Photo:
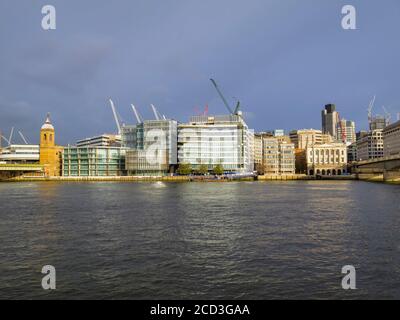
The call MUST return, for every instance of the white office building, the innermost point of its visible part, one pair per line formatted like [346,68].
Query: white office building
[217,140]
[20,153]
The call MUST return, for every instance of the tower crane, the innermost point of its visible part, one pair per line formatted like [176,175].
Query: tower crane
[234,112]
[137,115]
[22,137]
[156,113]
[370,106]
[5,139]
[115,116]
[11,136]
[388,115]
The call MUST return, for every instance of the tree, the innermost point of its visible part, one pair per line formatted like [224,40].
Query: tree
[218,169]
[185,169]
[203,169]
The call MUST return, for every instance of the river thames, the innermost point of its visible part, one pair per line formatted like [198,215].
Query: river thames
[236,240]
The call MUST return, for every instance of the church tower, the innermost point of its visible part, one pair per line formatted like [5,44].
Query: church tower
[50,153]
[47,134]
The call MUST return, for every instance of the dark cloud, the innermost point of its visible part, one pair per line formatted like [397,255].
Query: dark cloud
[283,59]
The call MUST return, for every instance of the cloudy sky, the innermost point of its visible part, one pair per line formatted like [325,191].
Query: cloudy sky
[284,59]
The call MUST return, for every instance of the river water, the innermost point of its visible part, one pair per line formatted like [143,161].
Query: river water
[237,240]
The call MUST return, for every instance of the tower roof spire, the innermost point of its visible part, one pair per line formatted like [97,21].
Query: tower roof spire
[47,124]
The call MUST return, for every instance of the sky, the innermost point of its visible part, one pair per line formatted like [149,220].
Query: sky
[283,59]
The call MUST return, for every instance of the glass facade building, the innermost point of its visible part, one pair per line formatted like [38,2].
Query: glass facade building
[217,140]
[151,147]
[93,161]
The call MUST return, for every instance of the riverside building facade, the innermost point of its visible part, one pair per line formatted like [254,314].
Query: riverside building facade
[391,139]
[327,159]
[278,156]
[370,145]
[20,154]
[50,154]
[93,161]
[217,140]
[151,147]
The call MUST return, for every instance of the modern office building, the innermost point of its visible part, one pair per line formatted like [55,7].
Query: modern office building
[279,132]
[346,129]
[104,140]
[370,145]
[152,147]
[217,140]
[93,161]
[330,120]
[278,156]
[378,123]
[391,139]
[352,152]
[327,159]
[20,154]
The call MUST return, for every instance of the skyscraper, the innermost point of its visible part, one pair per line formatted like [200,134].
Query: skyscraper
[346,129]
[330,120]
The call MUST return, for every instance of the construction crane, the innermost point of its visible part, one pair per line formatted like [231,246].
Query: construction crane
[5,139]
[115,116]
[236,111]
[11,136]
[388,115]
[371,105]
[137,115]
[157,114]
[22,137]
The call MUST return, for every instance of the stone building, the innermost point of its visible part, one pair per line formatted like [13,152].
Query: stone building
[327,159]
[258,153]
[391,139]
[278,156]
[50,154]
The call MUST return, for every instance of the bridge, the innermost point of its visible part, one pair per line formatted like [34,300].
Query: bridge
[8,171]
[380,169]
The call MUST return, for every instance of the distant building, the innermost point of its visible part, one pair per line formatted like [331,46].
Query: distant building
[152,147]
[93,161]
[104,140]
[258,153]
[327,159]
[347,129]
[352,152]
[305,137]
[217,140]
[308,137]
[378,123]
[391,139]
[300,161]
[20,153]
[50,153]
[279,133]
[370,145]
[330,119]
[279,156]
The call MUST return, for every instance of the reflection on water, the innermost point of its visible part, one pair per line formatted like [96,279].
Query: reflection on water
[200,240]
